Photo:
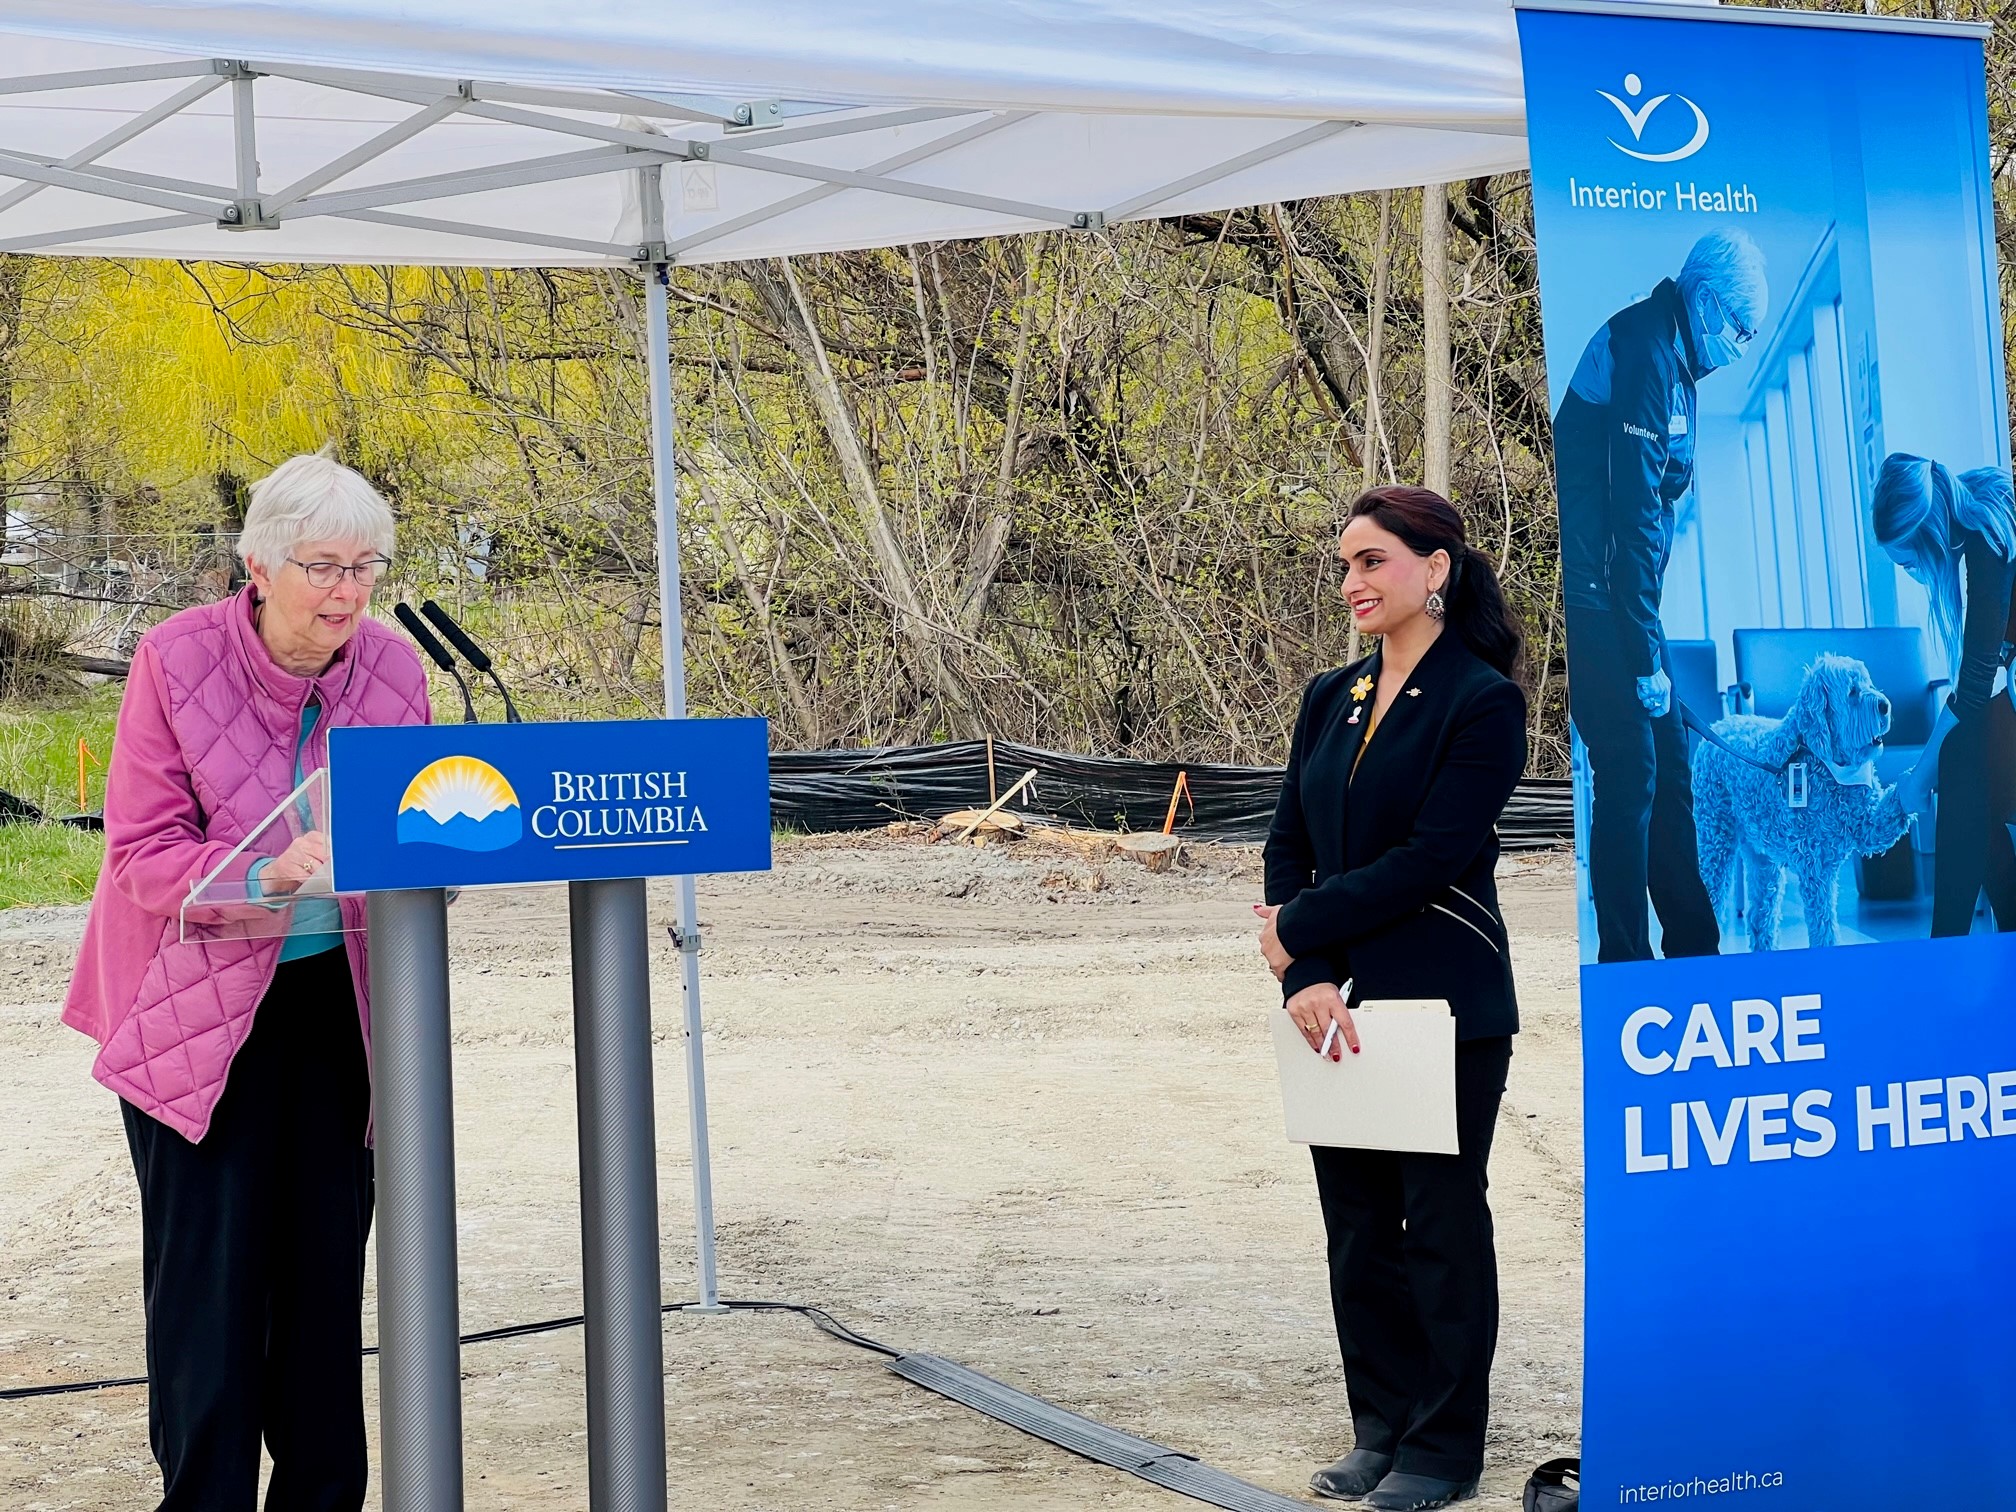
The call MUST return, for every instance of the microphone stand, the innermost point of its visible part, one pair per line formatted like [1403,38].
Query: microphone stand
[437,654]
[472,653]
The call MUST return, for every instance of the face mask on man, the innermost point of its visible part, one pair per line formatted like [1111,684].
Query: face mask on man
[1718,339]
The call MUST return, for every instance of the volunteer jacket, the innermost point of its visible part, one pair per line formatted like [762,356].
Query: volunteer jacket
[1623,458]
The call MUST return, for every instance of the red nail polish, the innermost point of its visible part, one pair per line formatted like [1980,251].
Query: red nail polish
[1354,1049]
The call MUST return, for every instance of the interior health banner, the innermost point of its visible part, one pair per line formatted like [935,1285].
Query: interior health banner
[1788,549]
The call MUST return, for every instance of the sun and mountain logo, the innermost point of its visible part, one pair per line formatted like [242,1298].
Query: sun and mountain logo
[462,803]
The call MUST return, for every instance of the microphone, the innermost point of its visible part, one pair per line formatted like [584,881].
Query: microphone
[472,653]
[437,654]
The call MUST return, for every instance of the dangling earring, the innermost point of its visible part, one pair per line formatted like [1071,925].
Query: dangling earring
[1435,606]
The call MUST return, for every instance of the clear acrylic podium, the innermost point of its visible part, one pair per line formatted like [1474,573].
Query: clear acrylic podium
[236,901]
[412,1099]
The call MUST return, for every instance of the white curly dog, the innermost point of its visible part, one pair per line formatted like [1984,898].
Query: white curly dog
[1824,751]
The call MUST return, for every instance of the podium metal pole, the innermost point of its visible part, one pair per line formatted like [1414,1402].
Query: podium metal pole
[419,1328]
[619,1196]
[672,642]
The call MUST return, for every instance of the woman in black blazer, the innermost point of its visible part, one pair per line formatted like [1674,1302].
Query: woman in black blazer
[1379,885]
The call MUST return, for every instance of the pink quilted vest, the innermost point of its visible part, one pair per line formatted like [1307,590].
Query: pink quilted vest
[204,751]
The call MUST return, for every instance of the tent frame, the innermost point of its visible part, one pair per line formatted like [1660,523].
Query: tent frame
[751,132]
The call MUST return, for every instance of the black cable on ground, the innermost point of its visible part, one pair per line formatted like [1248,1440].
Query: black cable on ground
[64,1388]
[1171,1469]
[824,1321]
[821,1319]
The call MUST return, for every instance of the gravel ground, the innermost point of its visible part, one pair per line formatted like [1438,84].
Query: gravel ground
[1011,1107]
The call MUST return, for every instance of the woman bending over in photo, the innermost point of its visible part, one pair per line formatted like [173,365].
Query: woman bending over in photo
[1945,530]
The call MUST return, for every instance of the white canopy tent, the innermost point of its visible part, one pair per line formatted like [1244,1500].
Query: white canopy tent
[630,132]
[508,133]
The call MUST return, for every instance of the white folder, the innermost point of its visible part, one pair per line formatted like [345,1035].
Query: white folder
[1397,1093]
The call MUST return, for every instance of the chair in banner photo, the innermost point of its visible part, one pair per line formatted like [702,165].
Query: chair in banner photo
[1695,681]
[1770,666]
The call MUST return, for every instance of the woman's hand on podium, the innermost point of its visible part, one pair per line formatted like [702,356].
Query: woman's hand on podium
[287,871]
[1314,1009]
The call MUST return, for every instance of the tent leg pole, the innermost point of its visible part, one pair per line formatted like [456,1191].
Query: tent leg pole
[672,640]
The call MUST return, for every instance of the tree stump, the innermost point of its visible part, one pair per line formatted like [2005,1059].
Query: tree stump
[1156,852]
[1000,825]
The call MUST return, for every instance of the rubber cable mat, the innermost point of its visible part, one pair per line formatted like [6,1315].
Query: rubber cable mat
[1166,1467]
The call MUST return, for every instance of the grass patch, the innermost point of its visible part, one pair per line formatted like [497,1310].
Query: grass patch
[53,863]
[48,863]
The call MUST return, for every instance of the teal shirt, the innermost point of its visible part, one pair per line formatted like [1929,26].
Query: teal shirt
[318,922]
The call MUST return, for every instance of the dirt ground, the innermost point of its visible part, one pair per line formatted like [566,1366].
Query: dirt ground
[1016,1109]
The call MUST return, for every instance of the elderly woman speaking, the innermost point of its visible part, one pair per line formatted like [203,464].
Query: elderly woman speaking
[242,1055]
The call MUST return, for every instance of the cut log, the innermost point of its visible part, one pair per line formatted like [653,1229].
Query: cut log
[1156,852]
[104,666]
[1090,844]
[996,806]
[976,821]
[979,825]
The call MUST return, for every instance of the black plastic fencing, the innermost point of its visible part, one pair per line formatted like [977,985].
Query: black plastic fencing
[865,789]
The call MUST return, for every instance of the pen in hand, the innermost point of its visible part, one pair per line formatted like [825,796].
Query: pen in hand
[1329,1039]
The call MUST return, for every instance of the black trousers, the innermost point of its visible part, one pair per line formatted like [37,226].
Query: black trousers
[1414,1282]
[1641,820]
[252,1257]
[1973,844]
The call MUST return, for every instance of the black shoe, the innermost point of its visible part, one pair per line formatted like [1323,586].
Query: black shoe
[1352,1476]
[1415,1493]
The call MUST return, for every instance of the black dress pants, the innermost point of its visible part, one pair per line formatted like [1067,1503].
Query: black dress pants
[252,1258]
[1973,847]
[1414,1282]
[1641,820]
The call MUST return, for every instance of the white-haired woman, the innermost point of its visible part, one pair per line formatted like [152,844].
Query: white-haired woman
[1942,529]
[240,1046]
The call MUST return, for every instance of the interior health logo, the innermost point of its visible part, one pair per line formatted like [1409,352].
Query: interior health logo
[1638,119]
[460,802]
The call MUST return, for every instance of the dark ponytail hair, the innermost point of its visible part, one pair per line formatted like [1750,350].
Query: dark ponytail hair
[1428,523]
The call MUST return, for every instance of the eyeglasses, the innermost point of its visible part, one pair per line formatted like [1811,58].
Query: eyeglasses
[1736,330]
[329,574]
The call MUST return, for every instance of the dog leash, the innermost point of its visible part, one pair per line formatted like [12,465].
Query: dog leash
[1798,792]
[1702,728]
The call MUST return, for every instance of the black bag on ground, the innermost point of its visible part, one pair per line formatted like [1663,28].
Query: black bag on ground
[1555,1487]
[17,810]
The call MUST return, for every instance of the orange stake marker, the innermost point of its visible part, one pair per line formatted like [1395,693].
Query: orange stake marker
[83,784]
[1180,795]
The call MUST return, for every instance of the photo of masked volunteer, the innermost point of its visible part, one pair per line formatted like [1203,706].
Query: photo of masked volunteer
[1956,536]
[1624,441]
